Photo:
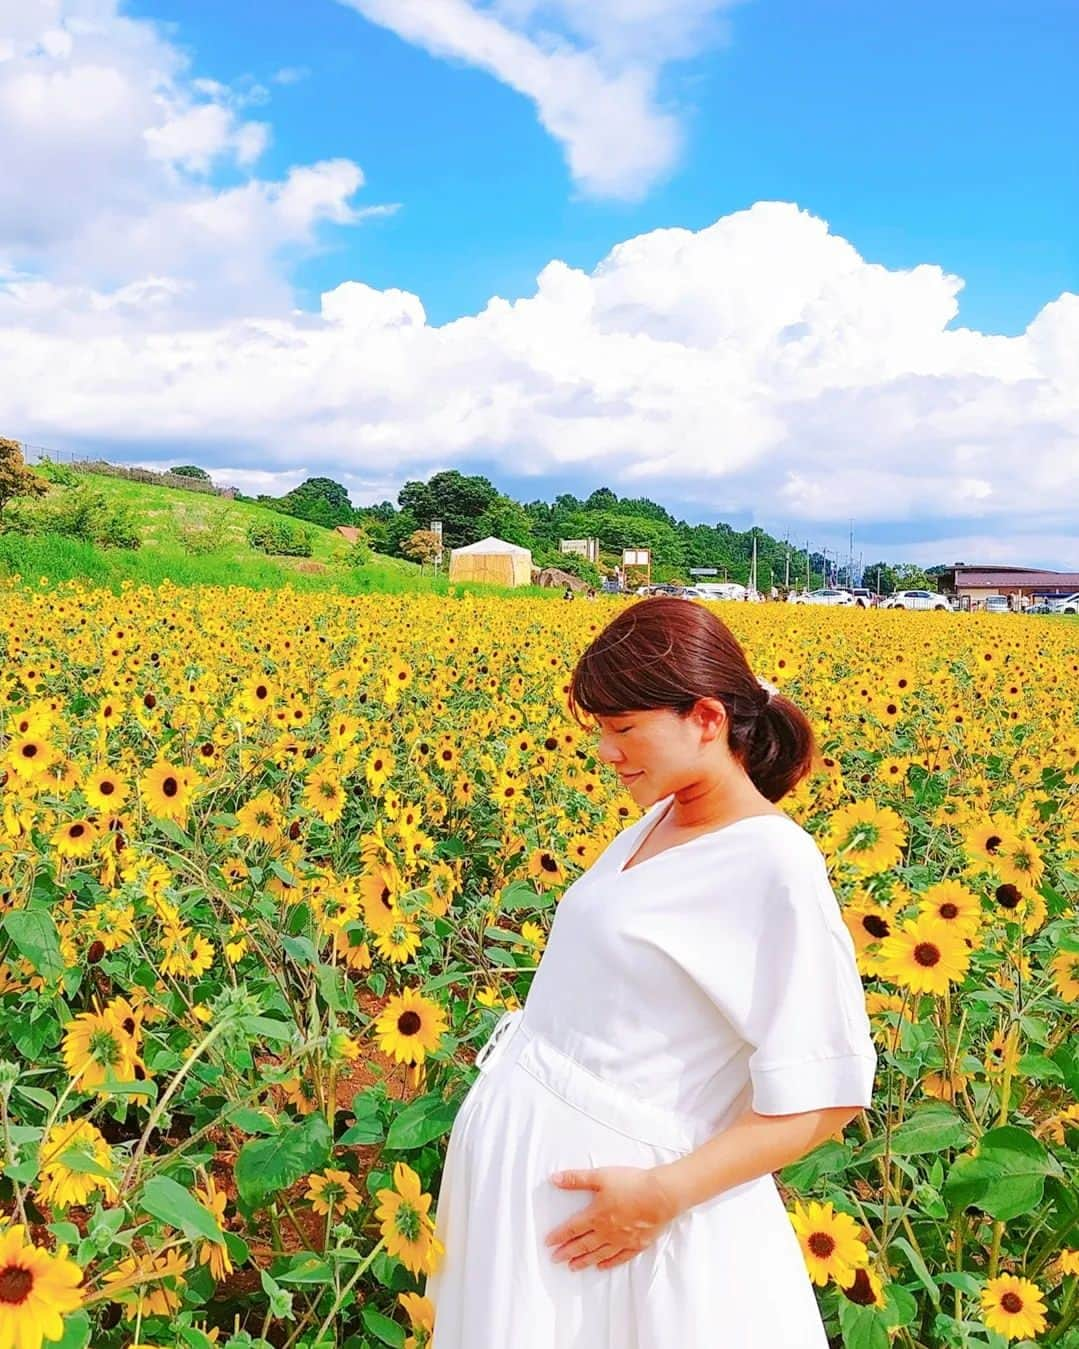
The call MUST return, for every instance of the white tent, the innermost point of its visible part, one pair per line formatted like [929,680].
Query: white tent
[492,560]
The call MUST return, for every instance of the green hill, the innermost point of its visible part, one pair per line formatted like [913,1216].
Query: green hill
[165,516]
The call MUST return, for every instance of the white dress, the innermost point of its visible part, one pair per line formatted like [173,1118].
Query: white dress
[715,975]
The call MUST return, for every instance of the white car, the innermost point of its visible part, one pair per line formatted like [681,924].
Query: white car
[1068,605]
[826,595]
[916,599]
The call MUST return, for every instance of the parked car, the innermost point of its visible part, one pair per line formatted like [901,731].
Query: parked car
[826,595]
[1068,605]
[997,604]
[916,599]
[1042,607]
[863,597]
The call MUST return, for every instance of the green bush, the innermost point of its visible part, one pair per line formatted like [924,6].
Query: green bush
[280,538]
[77,512]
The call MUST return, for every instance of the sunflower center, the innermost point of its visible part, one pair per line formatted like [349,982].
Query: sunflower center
[992,843]
[861,1290]
[16,1285]
[1012,1302]
[863,836]
[949,911]
[822,1245]
[926,954]
[170,786]
[548,863]
[1007,896]
[77,831]
[106,788]
[876,926]
[408,1222]
[408,1023]
[29,751]
[103,1047]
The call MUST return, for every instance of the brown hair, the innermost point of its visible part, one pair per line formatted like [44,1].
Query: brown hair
[668,653]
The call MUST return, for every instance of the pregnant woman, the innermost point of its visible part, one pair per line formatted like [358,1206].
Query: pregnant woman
[697,1022]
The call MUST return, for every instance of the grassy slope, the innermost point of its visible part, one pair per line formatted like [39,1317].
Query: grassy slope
[161,512]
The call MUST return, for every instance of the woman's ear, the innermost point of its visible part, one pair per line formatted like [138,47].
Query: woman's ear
[712,718]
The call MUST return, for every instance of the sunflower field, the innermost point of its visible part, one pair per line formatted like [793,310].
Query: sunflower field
[272,865]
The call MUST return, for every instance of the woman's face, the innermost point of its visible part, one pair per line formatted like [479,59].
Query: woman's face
[658,752]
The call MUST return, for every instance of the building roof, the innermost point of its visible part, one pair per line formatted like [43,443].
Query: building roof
[1044,580]
[492,545]
[964,567]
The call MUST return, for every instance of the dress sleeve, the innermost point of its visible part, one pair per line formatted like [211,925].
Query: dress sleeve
[789,984]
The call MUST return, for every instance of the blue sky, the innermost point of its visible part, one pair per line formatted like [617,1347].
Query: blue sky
[920,132]
[783,262]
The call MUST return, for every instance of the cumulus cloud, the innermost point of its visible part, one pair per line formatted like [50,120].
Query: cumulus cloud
[113,153]
[591,67]
[760,365]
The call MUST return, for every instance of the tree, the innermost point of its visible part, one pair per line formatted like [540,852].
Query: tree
[322,501]
[191,471]
[422,545]
[16,480]
[458,501]
[505,519]
[880,577]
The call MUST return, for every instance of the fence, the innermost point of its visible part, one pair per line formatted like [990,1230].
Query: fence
[34,454]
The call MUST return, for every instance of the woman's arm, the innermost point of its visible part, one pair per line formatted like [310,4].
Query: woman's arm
[754,1145]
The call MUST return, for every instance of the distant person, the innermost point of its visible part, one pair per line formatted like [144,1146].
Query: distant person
[591,592]
[567,594]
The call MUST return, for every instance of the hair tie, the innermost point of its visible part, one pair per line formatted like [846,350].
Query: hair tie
[770,689]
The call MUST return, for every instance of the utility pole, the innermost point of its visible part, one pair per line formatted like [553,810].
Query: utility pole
[809,585]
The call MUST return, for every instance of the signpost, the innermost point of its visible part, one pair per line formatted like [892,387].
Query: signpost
[637,558]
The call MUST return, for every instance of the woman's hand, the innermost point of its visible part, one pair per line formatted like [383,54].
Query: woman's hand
[630,1210]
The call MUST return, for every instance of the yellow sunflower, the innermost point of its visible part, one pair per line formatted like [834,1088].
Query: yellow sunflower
[925,955]
[1064,969]
[37,1289]
[831,1245]
[421,1314]
[105,790]
[260,819]
[330,1190]
[1013,1307]
[97,1048]
[75,838]
[865,838]
[400,942]
[955,906]
[168,790]
[62,1182]
[148,1285]
[545,869]
[407,1227]
[214,1253]
[410,1026]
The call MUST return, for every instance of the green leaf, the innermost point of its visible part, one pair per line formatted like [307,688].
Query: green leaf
[520,895]
[169,1202]
[421,1122]
[300,949]
[76,1332]
[307,1267]
[80,1161]
[918,1265]
[863,1327]
[172,831]
[34,935]
[265,1166]
[268,1027]
[824,1160]
[252,1121]
[389,1332]
[1005,1177]
[930,1129]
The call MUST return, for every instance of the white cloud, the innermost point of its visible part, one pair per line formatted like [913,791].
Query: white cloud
[759,365]
[591,67]
[111,155]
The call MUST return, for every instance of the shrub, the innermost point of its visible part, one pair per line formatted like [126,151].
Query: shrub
[77,512]
[280,538]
